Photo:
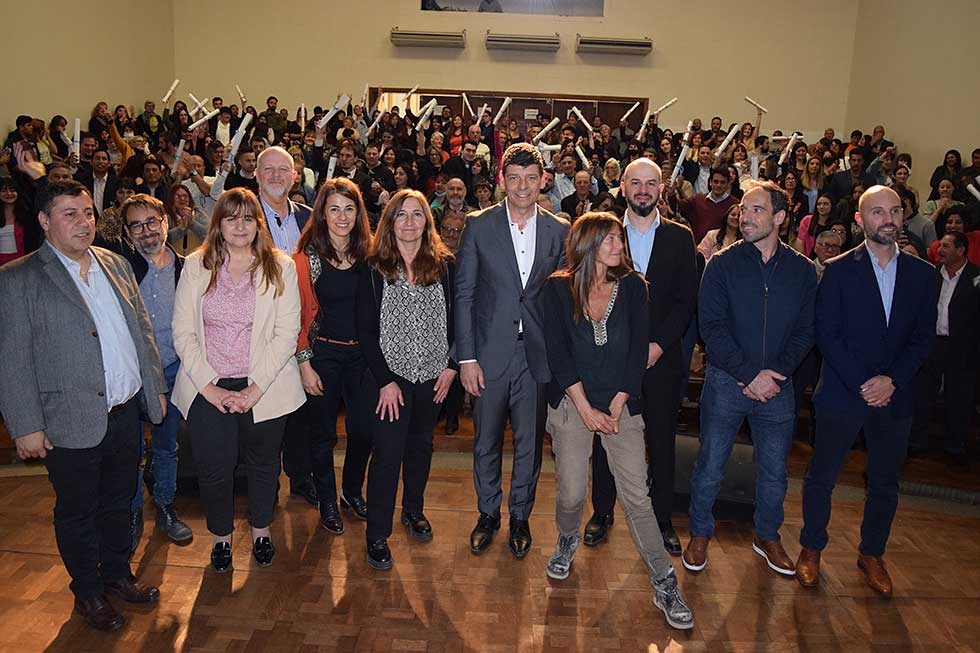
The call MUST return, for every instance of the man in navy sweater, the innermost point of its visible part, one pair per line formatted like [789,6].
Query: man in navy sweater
[876,321]
[755,309]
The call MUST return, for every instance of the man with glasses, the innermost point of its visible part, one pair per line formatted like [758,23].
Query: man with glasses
[156,266]
[827,246]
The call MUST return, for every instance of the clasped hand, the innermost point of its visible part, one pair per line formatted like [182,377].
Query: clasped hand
[763,387]
[232,401]
[877,391]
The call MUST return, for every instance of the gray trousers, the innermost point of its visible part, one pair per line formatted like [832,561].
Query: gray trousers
[517,393]
[571,442]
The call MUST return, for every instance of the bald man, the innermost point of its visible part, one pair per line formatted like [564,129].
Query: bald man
[579,202]
[876,319]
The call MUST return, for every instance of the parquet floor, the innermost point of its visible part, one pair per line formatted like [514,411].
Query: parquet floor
[320,595]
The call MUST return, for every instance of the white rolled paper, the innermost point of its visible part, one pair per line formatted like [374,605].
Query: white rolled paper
[500,112]
[331,166]
[549,148]
[76,140]
[756,104]
[302,117]
[627,114]
[199,104]
[180,153]
[547,128]
[687,132]
[236,140]
[664,106]
[334,110]
[405,98]
[204,119]
[581,156]
[428,109]
[483,110]
[582,118]
[680,163]
[240,94]
[973,191]
[755,167]
[725,143]
[376,121]
[170,91]
[789,147]
[364,97]
[466,103]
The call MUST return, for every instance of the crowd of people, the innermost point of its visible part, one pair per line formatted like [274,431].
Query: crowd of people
[394,267]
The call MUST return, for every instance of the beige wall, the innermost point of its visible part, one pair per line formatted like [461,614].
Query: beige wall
[63,56]
[914,71]
[339,50]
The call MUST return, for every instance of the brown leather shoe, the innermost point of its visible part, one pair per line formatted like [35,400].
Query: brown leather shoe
[875,574]
[808,567]
[99,613]
[695,556]
[775,556]
[132,592]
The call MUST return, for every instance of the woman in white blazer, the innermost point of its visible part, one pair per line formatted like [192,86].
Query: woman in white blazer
[236,319]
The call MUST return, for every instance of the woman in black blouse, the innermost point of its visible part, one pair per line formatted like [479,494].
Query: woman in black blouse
[597,351]
[330,258]
[405,323]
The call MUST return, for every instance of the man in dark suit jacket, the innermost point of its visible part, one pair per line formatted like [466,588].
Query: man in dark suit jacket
[875,324]
[663,251]
[101,170]
[840,184]
[79,364]
[953,358]
[506,255]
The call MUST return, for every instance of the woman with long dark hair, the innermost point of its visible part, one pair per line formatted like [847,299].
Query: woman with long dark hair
[597,352]
[812,225]
[717,239]
[331,256]
[949,169]
[236,320]
[405,326]
[20,232]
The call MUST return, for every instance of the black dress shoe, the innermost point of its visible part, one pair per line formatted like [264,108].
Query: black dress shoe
[99,613]
[305,489]
[355,503]
[520,537]
[418,526]
[175,528]
[672,543]
[379,555]
[595,530]
[221,557]
[452,425]
[263,551]
[330,518]
[135,530]
[130,591]
[482,534]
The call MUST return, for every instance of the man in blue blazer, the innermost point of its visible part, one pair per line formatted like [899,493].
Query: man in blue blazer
[875,324]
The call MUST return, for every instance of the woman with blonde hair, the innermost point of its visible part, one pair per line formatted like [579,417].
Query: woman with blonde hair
[405,325]
[236,320]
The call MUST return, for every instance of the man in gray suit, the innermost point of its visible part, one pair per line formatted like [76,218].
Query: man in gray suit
[79,364]
[506,254]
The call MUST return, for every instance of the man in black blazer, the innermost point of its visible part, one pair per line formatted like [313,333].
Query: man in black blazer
[953,358]
[663,251]
[506,254]
[100,173]
[840,184]
[875,325]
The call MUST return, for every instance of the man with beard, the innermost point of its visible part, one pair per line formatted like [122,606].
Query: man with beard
[876,321]
[662,251]
[156,266]
[755,309]
[455,203]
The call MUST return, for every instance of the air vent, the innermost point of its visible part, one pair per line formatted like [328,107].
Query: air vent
[592,44]
[523,42]
[428,39]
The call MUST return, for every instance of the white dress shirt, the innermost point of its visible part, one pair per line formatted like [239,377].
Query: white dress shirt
[98,190]
[222,133]
[946,294]
[524,243]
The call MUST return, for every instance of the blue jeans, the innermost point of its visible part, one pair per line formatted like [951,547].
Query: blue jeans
[723,408]
[164,446]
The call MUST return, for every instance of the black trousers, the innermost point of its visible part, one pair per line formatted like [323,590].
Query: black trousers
[217,439]
[661,399]
[342,370]
[403,445]
[93,488]
[959,379]
[297,453]
[454,400]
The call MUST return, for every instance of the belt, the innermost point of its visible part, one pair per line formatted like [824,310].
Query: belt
[118,408]
[346,343]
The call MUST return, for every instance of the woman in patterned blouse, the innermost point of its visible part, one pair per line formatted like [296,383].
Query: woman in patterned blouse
[405,326]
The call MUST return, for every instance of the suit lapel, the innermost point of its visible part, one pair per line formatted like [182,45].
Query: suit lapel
[56,271]
[542,242]
[871,282]
[263,309]
[502,226]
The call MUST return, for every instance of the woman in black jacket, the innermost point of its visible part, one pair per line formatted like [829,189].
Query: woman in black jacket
[405,325]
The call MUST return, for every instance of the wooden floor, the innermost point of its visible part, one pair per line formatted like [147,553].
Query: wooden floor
[320,595]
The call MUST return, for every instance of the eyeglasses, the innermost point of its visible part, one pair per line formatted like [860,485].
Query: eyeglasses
[839,231]
[136,228]
[452,230]
[828,245]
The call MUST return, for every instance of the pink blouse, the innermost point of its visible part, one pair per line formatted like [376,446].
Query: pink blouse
[228,311]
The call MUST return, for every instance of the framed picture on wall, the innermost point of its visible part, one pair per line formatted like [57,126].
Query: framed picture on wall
[585,8]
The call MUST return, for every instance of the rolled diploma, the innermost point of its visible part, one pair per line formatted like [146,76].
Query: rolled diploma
[687,132]
[466,103]
[582,118]
[483,110]
[549,148]
[302,117]
[170,91]
[203,120]
[240,94]
[664,106]
[236,140]
[500,112]
[76,141]
[331,166]
[789,147]
[755,167]
[547,128]
[364,97]
[680,163]
[627,114]
[404,102]
[200,105]
[581,155]
[756,104]
[725,143]
[180,153]
[376,121]
[428,109]
[341,103]
[973,191]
